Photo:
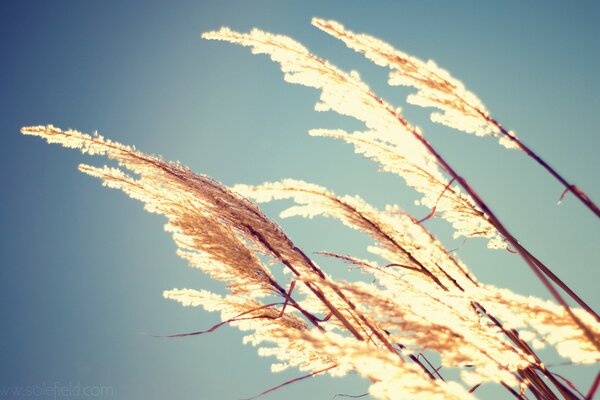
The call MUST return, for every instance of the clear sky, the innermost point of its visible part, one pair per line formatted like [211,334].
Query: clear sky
[84,267]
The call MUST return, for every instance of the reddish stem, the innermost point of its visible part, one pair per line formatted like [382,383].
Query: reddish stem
[432,213]
[474,388]
[568,186]
[220,324]
[594,387]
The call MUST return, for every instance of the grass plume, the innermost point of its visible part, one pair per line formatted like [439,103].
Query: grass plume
[416,296]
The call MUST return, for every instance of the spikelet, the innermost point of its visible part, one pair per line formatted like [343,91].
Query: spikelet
[406,243]
[392,377]
[460,108]
[543,322]
[184,198]
[176,191]
[265,323]
[423,317]
[536,321]
[189,200]
[404,240]
[390,139]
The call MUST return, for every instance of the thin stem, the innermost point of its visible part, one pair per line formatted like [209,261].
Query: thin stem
[353,396]
[316,291]
[290,382]
[562,285]
[512,391]
[569,383]
[474,388]
[238,317]
[435,370]
[433,209]
[594,387]
[568,186]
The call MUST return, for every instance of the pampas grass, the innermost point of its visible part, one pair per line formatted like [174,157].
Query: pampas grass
[416,296]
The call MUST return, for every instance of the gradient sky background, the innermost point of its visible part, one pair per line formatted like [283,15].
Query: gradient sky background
[83,267]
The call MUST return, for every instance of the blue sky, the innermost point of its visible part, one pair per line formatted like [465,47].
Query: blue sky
[84,267]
